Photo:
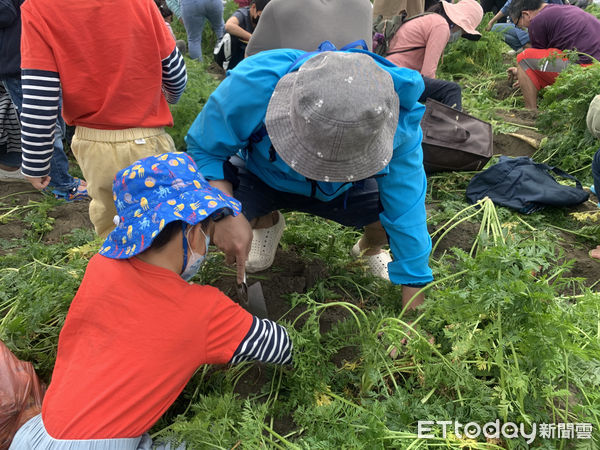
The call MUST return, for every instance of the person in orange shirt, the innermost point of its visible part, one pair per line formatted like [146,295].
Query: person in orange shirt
[137,329]
[116,79]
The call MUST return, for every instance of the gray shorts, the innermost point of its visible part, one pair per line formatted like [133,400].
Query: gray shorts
[33,436]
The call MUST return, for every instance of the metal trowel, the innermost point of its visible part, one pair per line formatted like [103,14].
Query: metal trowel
[252,299]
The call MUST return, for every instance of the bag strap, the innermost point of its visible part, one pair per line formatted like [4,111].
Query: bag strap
[404,51]
[408,19]
[564,174]
[558,172]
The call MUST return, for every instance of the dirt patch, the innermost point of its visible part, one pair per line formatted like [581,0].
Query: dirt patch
[67,216]
[510,145]
[525,140]
[216,71]
[463,237]
[504,89]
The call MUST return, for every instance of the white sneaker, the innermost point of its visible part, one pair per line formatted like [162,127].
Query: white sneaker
[264,246]
[377,264]
[8,175]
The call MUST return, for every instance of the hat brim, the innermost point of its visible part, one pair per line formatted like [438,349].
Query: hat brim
[294,151]
[456,17]
[125,241]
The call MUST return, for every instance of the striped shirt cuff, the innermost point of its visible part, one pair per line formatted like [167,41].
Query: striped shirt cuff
[41,100]
[174,76]
[267,342]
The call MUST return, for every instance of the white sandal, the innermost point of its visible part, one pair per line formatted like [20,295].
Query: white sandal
[264,246]
[377,264]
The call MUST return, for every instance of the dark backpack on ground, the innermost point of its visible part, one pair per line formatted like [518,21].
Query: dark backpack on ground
[384,29]
[522,184]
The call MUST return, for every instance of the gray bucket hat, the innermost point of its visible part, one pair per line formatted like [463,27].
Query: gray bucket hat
[335,118]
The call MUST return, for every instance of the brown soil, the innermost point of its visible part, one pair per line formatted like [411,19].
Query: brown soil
[67,216]
[463,237]
[525,141]
[504,89]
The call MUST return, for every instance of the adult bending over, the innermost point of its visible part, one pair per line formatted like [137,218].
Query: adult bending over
[552,29]
[336,135]
[420,42]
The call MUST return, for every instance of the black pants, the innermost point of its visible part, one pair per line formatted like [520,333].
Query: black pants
[446,92]
[238,49]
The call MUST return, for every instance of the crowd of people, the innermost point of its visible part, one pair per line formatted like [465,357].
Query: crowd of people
[308,119]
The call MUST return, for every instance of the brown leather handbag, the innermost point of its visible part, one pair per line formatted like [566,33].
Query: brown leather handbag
[454,140]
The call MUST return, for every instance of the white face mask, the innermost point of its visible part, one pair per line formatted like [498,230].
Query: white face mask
[194,261]
[455,36]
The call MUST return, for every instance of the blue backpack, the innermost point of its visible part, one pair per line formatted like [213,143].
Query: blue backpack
[522,184]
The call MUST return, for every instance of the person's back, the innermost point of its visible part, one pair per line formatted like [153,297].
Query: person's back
[115,375]
[138,328]
[108,57]
[566,27]
[117,65]
[419,44]
[303,25]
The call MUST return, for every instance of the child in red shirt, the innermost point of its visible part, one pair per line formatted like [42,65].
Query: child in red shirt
[137,330]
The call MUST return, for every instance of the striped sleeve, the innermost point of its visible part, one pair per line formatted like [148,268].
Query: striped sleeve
[41,94]
[174,76]
[266,341]
[10,130]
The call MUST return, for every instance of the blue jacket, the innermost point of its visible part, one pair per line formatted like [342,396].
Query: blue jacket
[236,111]
[10,38]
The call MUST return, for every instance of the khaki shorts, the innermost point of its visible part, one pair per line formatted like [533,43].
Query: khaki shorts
[102,153]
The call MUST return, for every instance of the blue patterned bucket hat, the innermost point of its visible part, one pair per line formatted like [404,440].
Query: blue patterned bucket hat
[155,191]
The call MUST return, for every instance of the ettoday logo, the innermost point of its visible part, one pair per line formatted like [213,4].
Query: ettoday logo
[508,430]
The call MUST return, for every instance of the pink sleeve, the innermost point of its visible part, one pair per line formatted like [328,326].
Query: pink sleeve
[434,48]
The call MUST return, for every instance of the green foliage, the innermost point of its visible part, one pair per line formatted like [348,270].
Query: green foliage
[482,57]
[564,104]
[480,68]
[38,283]
[311,236]
[200,85]
[594,9]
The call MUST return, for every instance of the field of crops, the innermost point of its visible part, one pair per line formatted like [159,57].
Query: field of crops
[509,333]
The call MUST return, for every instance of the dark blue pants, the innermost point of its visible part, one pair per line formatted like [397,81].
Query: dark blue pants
[446,92]
[357,207]
[596,171]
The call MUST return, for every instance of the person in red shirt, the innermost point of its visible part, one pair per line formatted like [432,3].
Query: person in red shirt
[137,330]
[553,30]
[117,67]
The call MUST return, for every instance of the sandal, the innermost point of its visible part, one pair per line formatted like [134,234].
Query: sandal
[377,264]
[79,192]
[264,246]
